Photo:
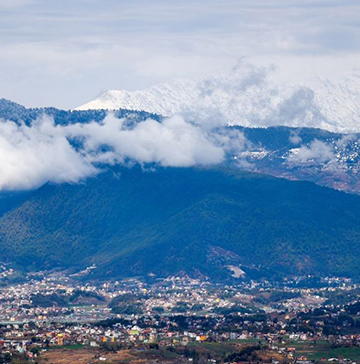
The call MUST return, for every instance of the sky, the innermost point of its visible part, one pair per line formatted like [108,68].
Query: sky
[64,53]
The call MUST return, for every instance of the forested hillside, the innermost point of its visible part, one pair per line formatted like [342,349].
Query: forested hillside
[165,221]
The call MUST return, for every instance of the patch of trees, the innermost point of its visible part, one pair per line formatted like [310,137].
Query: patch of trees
[248,354]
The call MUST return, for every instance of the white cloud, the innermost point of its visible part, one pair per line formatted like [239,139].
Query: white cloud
[316,152]
[173,142]
[33,155]
[295,138]
[345,140]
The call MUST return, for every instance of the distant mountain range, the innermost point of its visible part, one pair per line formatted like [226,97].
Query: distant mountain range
[250,100]
[200,221]
[13,111]
[278,151]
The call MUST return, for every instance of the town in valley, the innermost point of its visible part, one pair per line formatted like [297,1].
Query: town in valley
[55,316]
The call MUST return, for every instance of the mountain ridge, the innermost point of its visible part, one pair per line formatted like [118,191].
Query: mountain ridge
[326,158]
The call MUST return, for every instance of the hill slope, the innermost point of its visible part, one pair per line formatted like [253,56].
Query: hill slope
[130,222]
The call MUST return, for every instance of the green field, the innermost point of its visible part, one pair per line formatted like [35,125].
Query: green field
[323,349]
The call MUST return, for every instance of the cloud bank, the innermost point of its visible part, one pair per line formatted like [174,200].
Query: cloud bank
[31,156]
[173,142]
[44,152]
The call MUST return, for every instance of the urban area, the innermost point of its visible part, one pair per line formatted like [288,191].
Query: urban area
[56,317]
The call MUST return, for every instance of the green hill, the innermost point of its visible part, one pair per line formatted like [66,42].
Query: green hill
[198,221]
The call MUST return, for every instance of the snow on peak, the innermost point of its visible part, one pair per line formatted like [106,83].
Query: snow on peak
[250,99]
[164,99]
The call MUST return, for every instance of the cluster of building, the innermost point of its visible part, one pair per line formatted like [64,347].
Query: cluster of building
[60,310]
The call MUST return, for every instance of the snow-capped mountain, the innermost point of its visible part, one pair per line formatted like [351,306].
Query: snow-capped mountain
[249,99]
[163,99]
